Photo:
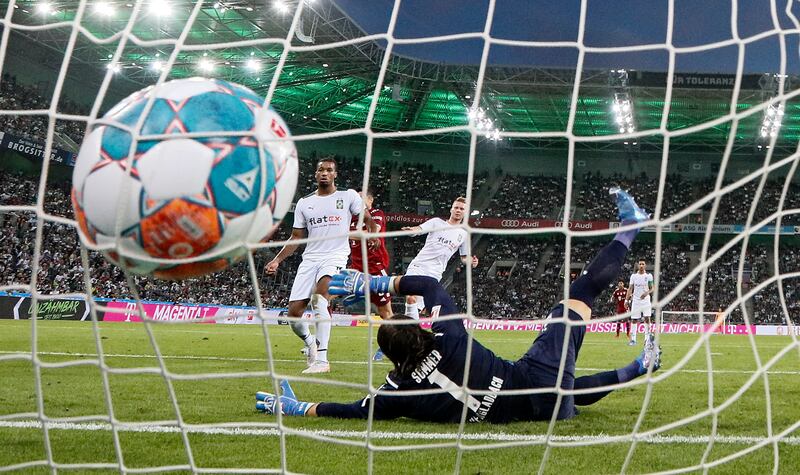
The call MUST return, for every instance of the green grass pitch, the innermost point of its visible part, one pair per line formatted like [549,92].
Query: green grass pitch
[142,398]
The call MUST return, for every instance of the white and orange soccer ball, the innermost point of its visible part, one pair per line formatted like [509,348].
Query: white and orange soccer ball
[199,198]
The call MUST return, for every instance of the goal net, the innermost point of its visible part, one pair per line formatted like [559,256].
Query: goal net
[531,112]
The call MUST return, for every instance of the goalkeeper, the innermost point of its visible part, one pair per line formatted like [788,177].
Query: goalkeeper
[434,362]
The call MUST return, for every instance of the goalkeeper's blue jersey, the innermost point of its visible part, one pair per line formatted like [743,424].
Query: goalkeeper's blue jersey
[441,376]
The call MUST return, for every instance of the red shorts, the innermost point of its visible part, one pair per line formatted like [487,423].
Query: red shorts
[380,299]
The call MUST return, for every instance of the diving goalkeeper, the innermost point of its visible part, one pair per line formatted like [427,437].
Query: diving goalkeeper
[435,361]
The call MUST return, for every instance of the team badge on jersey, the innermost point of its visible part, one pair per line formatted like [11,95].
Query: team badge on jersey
[339,204]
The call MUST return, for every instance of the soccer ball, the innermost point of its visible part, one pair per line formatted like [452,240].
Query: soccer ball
[202,199]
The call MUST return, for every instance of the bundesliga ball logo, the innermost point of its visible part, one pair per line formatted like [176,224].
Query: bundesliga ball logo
[202,199]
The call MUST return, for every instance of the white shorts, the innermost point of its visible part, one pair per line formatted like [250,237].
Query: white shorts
[310,272]
[414,269]
[639,310]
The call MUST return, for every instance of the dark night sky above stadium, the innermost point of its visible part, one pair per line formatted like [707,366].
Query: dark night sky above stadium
[609,23]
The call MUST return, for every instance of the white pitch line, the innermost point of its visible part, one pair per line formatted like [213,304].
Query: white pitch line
[350,434]
[361,363]
[495,339]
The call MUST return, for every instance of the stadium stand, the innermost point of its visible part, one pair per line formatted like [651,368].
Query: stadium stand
[536,266]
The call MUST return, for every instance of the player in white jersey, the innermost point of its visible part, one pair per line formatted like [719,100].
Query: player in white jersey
[639,289]
[440,245]
[324,214]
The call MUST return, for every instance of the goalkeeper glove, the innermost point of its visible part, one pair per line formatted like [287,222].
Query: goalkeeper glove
[288,404]
[354,284]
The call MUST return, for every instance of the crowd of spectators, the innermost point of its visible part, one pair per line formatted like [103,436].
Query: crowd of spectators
[522,278]
[19,97]
[529,197]
[421,182]
[592,194]
[735,205]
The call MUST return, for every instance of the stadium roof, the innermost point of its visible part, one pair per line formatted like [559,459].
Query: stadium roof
[332,71]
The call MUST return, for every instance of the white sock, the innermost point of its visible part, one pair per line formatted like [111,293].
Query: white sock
[634,328]
[319,305]
[301,330]
[412,311]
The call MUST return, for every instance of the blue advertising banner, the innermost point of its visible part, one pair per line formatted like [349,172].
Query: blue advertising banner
[33,149]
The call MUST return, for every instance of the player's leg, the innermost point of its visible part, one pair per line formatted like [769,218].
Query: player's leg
[544,358]
[649,357]
[414,303]
[300,328]
[383,302]
[412,310]
[618,323]
[640,325]
[320,307]
[299,297]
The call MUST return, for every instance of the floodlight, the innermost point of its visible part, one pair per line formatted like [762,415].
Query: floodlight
[253,65]
[280,5]
[44,8]
[160,8]
[104,9]
[205,65]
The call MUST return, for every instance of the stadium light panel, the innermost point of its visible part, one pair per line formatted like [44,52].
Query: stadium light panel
[160,8]
[104,9]
[280,6]
[157,66]
[253,65]
[114,67]
[771,123]
[205,65]
[44,8]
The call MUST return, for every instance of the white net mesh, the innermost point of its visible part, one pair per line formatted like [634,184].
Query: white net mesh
[695,429]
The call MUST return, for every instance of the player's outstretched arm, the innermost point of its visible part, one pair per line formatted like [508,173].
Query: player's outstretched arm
[287,404]
[353,284]
[287,250]
[373,227]
[467,260]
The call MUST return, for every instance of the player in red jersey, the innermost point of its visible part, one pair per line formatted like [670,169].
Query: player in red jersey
[377,259]
[619,298]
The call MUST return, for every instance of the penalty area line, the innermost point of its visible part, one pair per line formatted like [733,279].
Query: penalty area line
[385,435]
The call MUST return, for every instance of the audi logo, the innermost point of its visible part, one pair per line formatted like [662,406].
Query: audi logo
[509,223]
